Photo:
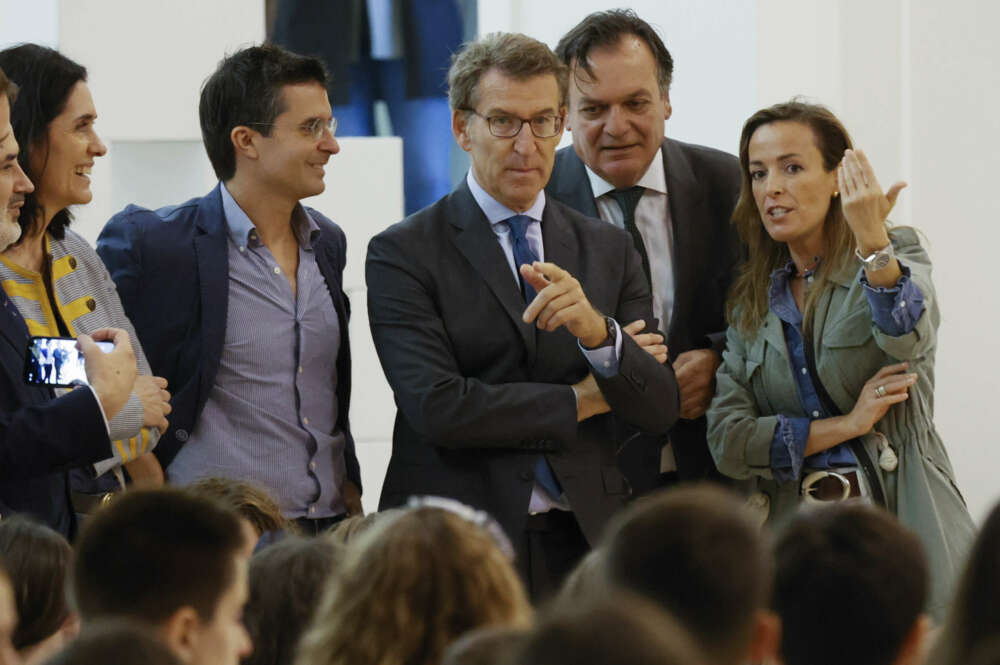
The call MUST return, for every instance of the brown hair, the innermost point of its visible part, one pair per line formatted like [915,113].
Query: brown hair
[8,88]
[249,501]
[151,552]
[974,619]
[515,55]
[618,628]
[38,562]
[697,553]
[748,298]
[408,588]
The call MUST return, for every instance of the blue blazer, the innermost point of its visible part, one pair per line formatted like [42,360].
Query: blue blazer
[171,267]
[41,437]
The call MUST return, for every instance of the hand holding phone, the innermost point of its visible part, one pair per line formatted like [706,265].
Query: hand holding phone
[112,375]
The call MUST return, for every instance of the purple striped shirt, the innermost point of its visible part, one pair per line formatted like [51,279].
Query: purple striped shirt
[271,415]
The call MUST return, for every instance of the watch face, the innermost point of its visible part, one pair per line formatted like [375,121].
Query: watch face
[881,261]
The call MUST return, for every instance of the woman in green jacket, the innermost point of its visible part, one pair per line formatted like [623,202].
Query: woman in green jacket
[826,389]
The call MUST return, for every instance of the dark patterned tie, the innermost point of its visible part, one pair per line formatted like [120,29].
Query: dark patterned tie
[627,200]
[523,254]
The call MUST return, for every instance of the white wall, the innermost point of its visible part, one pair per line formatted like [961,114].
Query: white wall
[916,83]
[712,44]
[914,80]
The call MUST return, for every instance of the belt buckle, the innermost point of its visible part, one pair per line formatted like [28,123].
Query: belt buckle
[815,477]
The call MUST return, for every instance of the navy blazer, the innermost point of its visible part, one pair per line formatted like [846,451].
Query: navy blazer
[171,267]
[41,437]
[702,187]
[480,393]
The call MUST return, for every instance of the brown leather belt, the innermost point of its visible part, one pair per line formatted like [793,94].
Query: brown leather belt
[830,487]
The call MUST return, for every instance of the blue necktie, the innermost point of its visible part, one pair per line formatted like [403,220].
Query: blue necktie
[523,254]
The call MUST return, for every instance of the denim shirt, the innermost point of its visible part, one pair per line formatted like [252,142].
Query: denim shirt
[895,310]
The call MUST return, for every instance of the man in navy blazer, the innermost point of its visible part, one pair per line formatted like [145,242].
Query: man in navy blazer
[499,317]
[40,435]
[679,198]
[237,296]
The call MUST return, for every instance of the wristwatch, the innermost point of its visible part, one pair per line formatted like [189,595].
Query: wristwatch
[877,260]
[612,337]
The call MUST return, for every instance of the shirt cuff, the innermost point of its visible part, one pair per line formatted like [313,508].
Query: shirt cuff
[606,359]
[100,407]
[788,448]
[895,309]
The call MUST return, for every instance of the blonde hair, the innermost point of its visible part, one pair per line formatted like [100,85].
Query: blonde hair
[409,587]
[748,304]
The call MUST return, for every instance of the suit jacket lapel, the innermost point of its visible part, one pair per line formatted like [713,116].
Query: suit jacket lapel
[212,253]
[570,183]
[477,242]
[685,196]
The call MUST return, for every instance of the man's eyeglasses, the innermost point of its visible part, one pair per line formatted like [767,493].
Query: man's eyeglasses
[314,128]
[505,126]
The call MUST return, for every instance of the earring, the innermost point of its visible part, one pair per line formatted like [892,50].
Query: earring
[836,193]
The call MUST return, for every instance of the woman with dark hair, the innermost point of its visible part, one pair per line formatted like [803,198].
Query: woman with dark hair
[972,631]
[38,561]
[826,389]
[55,278]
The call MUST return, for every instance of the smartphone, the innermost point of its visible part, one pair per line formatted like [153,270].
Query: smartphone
[55,361]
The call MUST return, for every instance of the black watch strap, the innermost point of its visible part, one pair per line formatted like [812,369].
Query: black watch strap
[612,337]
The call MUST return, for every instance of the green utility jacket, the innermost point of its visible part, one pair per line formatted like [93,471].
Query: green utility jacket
[755,383]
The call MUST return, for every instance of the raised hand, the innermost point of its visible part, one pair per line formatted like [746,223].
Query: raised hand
[560,301]
[111,374]
[865,206]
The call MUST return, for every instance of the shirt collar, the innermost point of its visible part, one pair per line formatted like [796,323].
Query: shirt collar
[243,232]
[655,178]
[497,212]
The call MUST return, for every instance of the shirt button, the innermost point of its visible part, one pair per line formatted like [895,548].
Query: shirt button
[305,421]
[300,369]
[243,249]
[815,414]
[72,262]
[91,305]
[312,466]
[312,509]
[805,371]
[277,270]
[607,363]
[902,303]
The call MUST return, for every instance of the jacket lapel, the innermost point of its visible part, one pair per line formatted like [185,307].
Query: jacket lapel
[570,184]
[685,196]
[212,254]
[477,242]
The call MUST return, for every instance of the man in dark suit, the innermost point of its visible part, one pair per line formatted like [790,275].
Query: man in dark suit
[41,435]
[237,296]
[674,198]
[495,314]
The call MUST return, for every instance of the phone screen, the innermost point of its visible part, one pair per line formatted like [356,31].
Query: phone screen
[55,361]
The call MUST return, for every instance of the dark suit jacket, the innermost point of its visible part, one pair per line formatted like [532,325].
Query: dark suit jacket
[480,394]
[41,436]
[171,267]
[702,187]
